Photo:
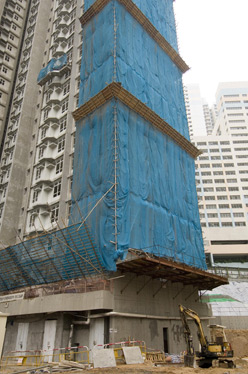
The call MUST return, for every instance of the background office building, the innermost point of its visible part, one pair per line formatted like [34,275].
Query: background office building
[222,176]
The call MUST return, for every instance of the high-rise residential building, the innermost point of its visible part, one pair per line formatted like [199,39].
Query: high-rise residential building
[195,110]
[222,176]
[13,22]
[201,118]
[209,116]
[37,158]
[82,239]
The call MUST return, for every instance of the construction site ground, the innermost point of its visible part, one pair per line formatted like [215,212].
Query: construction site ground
[146,368]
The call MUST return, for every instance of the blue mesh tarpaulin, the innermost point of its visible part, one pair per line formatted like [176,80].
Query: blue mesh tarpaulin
[53,64]
[156,205]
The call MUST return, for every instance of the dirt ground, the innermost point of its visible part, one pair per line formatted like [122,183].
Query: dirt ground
[148,368]
[239,341]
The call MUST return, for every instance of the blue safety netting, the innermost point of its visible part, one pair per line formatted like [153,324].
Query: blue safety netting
[142,67]
[157,208]
[53,65]
[156,195]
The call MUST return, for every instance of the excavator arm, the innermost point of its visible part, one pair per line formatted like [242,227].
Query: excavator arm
[184,313]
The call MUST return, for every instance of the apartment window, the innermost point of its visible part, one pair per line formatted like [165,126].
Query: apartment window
[213,150]
[233,188]
[205,166]
[35,196]
[13,26]
[244,179]
[231,180]
[204,158]
[202,143]
[11,37]
[235,197]
[218,173]
[226,224]
[57,188]
[219,180]
[200,207]
[209,197]
[224,143]
[232,172]
[41,152]
[241,149]
[225,215]
[244,188]
[66,88]
[18,8]
[64,106]
[222,197]
[70,41]
[213,224]
[5,70]
[7,58]
[212,215]
[238,214]
[203,224]
[211,206]
[219,189]
[46,111]
[206,181]
[9,47]
[59,165]
[32,219]
[215,157]
[16,17]
[62,124]
[235,206]
[243,171]
[206,173]
[54,213]
[240,224]
[224,206]
[61,144]
[227,157]
[2,81]
[67,74]
[243,164]
[43,132]
[38,173]
[228,165]
[208,189]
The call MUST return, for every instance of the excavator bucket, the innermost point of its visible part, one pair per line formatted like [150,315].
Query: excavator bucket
[189,361]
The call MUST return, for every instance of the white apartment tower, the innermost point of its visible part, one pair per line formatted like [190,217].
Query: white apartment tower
[37,156]
[13,22]
[194,110]
[222,175]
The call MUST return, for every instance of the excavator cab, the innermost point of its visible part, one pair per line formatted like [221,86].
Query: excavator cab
[219,340]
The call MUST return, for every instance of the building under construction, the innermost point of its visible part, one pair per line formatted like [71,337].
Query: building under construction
[132,249]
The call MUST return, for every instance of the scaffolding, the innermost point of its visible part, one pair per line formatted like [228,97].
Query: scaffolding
[62,255]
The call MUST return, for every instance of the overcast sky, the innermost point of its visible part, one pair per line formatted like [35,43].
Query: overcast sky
[213,40]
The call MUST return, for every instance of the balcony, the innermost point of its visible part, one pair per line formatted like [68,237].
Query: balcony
[54,76]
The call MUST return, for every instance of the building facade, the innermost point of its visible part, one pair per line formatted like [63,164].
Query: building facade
[37,158]
[53,284]
[221,176]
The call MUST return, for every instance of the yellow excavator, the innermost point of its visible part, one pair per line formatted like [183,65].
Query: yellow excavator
[212,353]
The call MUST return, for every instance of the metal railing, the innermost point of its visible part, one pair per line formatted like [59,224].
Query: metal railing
[35,358]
